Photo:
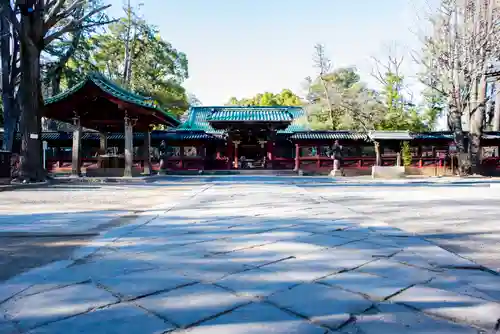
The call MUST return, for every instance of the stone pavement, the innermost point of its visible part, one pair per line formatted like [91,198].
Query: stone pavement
[254,258]
[463,220]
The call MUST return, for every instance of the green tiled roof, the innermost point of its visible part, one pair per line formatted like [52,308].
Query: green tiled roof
[115,90]
[199,117]
[251,115]
[328,135]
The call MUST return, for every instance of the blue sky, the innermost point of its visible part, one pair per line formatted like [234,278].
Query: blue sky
[243,47]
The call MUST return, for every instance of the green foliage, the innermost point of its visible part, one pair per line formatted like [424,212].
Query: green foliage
[400,114]
[339,100]
[285,98]
[157,69]
[406,154]
[73,47]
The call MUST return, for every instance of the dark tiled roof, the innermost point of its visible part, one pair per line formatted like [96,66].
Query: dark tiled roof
[390,135]
[328,135]
[250,115]
[201,135]
[199,117]
[115,90]
[187,135]
[433,135]
[159,135]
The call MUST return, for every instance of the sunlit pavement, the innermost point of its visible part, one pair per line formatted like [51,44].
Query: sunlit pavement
[273,255]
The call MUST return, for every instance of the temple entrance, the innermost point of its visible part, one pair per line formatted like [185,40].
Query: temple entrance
[251,152]
[250,133]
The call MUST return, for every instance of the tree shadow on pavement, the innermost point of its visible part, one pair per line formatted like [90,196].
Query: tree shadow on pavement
[223,265]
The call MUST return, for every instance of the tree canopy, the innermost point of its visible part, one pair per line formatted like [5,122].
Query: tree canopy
[338,99]
[285,98]
[129,51]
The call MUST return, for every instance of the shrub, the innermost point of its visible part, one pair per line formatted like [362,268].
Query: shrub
[406,153]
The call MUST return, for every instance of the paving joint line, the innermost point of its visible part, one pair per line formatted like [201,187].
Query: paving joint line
[166,320]
[297,315]
[415,235]
[440,317]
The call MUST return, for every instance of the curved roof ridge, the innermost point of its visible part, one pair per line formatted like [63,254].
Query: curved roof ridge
[114,89]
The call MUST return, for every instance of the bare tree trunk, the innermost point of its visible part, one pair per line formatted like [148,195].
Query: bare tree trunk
[127,60]
[458,137]
[476,132]
[9,51]
[10,122]
[31,165]
[496,115]
[55,81]
[329,102]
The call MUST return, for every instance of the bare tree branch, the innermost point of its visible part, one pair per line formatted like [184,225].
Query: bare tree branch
[72,25]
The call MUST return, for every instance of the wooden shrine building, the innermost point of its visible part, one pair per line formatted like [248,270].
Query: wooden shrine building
[101,105]
[118,141]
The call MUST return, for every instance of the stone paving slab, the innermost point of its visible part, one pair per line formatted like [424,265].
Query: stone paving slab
[328,306]
[117,319]
[257,283]
[458,285]
[368,247]
[324,240]
[190,305]
[372,286]
[8,328]
[144,283]
[103,267]
[451,305]
[257,319]
[209,269]
[393,318]
[308,267]
[36,310]
[256,258]
[389,268]
[486,282]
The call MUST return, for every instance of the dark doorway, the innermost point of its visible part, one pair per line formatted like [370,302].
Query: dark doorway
[251,154]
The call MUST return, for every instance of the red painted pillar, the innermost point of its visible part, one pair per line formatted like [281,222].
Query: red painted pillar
[318,161]
[229,154]
[236,143]
[181,153]
[297,157]
[270,149]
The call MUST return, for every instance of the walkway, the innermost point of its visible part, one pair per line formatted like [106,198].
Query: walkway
[254,257]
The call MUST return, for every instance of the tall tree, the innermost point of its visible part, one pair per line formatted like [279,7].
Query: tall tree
[133,54]
[400,112]
[323,65]
[340,100]
[465,37]
[9,53]
[60,52]
[39,24]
